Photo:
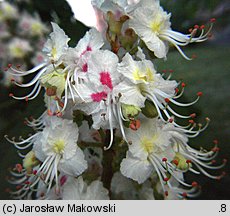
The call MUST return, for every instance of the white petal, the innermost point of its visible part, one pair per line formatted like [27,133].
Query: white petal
[136,169]
[96,191]
[75,166]
[74,189]
[83,12]
[130,94]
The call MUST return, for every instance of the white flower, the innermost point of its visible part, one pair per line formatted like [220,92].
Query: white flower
[57,44]
[149,145]
[76,58]
[18,48]
[56,151]
[32,26]
[152,24]
[141,82]
[97,91]
[163,149]
[77,189]
[8,11]
[49,73]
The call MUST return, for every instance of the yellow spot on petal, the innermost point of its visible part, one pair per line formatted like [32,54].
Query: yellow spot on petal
[54,53]
[59,146]
[148,144]
[155,26]
[146,75]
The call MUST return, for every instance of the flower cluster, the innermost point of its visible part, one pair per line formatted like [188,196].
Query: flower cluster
[111,116]
[22,37]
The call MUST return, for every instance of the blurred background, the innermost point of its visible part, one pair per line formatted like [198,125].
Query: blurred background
[25,24]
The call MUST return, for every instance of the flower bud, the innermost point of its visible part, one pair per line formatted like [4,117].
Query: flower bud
[130,110]
[115,24]
[30,161]
[128,39]
[182,161]
[149,110]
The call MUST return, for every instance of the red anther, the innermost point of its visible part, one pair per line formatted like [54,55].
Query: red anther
[199,94]
[176,90]
[167,100]
[193,115]
[135,124]
[225,160]
[215,142]
[213,161]
[213,20]
[26,99]
[51,91]
[196,26]
[18,66]
[216,149]
[11,95]
[202,27]
[166,179]
[59,114]
[219,177]
[164,159]
[9,65]
[183,84]
[164,71]
[27,182]
[194,56]
[61,104]
[188,161]
[191,121]
[18,187]
[194,184]
[166,193]
[130,142]
[210,35]
[7,190]
[171,71]
[35,172]
[223,174]
[171,120]
[49,112]
[176,162]
[184,194]
[18,167]
[12,80]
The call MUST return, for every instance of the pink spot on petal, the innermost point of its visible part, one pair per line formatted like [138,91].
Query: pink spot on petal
[63,180]
[85,67]
[97,97]
[105,79]
[88,49]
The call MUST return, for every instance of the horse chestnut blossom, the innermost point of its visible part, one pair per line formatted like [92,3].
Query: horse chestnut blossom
[55,150]
[111,129]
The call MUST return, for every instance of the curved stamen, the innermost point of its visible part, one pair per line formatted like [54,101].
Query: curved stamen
[24,73]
